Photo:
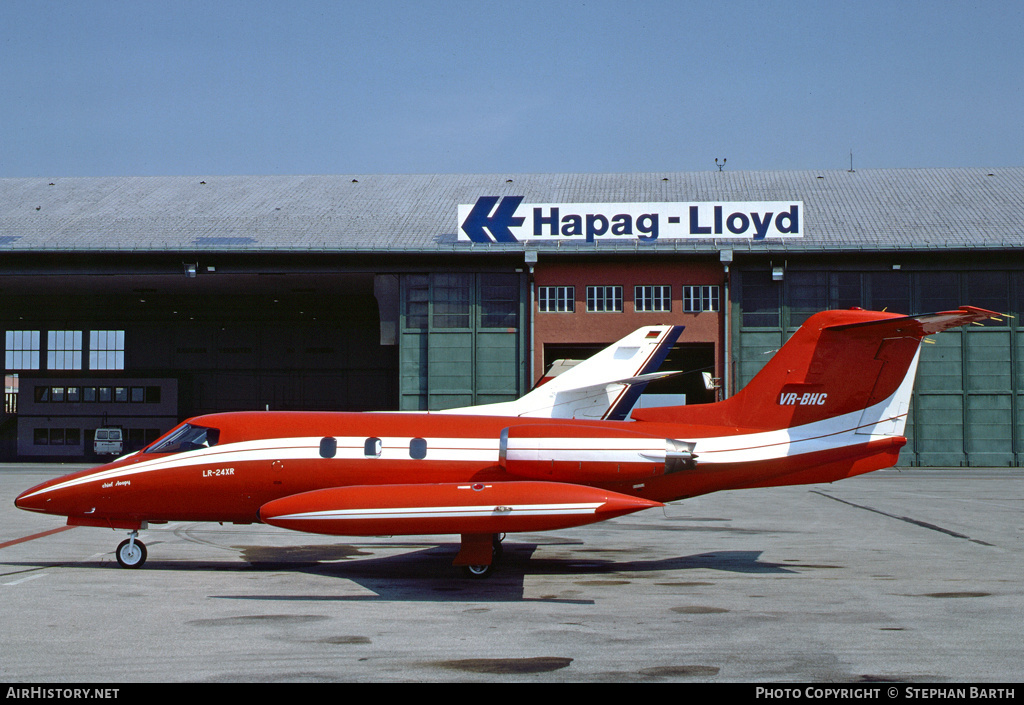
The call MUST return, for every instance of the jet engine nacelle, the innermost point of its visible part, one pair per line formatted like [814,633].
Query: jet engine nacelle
[566,453]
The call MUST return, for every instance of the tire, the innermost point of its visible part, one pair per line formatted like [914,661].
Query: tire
[131,555]
[478,571]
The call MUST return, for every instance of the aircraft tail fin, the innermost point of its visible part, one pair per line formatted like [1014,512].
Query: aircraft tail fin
[837,363]
[604,386]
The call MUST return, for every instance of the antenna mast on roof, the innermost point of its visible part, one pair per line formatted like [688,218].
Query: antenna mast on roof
[851,160]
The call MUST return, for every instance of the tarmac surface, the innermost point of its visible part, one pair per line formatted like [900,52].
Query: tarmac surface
[909,576]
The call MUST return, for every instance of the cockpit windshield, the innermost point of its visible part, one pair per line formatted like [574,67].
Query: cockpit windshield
[186,437]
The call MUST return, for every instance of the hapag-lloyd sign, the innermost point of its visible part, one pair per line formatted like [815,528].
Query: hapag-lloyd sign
[508,219]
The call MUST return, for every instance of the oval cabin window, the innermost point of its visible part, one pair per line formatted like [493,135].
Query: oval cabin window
[418,448]
[372,448]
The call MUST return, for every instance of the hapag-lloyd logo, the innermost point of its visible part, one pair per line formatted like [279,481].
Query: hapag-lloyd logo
[508,219]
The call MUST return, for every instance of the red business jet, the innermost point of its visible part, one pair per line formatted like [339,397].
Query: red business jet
[831,404]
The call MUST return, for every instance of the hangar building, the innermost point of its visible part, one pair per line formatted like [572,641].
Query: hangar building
[139,301]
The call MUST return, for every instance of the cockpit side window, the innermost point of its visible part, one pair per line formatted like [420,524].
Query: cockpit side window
[187,437]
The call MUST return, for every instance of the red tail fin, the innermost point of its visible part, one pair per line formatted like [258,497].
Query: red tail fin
[838,362]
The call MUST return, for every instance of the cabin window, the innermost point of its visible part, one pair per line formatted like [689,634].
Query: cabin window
[418,448]
[328,447]
[372,448]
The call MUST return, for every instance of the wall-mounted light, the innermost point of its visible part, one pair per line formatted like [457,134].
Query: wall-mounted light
[531,259]
[777,273]
[190,270]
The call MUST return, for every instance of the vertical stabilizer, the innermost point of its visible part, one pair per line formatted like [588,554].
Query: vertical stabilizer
[837,363]
[604,386]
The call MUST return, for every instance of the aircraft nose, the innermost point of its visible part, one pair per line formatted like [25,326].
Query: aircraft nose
[39,499]
[31,501]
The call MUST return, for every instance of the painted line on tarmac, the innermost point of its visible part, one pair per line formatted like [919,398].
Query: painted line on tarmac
[25,580]
[915,522]
[35,536]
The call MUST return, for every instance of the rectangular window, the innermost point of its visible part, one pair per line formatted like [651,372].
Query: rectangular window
[556,299]
[22,351]
[940,291]
[989,290]
[106,350]
[652,298]
[499,301]
[604,299]
[845,290]
[759,300]
[451,300]
[890,291]
[808,294]
[417,301]
[64,350]
[697,299]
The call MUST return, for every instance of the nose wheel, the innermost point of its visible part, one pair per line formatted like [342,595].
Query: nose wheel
[131,553]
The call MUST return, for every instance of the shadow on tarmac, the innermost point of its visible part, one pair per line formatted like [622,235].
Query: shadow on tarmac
[426,574]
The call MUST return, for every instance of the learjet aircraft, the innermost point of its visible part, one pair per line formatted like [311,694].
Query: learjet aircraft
[830,404]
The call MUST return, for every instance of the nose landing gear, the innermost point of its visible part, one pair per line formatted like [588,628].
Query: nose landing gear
[131,553]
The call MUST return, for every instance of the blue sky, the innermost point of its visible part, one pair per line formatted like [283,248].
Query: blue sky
[138,87]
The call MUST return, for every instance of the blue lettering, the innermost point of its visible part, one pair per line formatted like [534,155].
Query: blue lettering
[744,223]
[622,225]
[572,225]
[761,225]
[648,223]
[792,216]
[696,229]
[718,220]
[539,221]
[596,225]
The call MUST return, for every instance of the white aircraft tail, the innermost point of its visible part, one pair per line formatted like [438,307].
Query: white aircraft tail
[604,386]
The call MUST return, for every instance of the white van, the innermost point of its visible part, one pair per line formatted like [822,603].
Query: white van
[109,440]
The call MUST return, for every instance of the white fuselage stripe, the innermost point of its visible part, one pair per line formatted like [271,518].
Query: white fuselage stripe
[836,432]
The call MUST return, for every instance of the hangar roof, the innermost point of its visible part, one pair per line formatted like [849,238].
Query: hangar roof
[863,210]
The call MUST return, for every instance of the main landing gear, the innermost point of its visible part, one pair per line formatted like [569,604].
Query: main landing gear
[479,554]
[131,553]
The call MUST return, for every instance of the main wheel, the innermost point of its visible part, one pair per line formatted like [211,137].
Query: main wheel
[131,554]
[478,571]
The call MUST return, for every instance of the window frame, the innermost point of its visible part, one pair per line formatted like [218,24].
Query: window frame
[556,299]
[701,298]
[652,298]
[604,298]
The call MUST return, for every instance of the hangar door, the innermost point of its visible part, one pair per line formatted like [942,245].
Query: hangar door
[968,402]
[460,339]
